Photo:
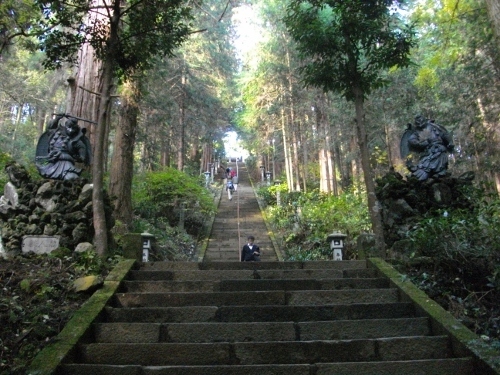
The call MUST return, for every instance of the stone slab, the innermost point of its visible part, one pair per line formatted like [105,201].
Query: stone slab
[40,244]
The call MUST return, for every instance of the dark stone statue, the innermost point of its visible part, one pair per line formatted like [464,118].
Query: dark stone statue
[61,148]
[426,146]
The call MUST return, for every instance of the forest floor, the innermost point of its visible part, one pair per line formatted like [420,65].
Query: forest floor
[469,298]
[37,300]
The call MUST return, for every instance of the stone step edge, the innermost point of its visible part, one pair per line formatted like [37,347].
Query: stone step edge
[222,285]
[267,352]
[464,342]
[232,265]
[455,366]
[207,332]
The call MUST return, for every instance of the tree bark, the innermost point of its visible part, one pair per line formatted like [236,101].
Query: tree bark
[373,205]
[99,214]
[493,7]
[166,148]
[122,162]
[182,126]
[86,85]
[288,169]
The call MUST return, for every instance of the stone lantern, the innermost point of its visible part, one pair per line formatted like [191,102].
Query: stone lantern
[207,178]
[278,193]
[336,240]
[147,240]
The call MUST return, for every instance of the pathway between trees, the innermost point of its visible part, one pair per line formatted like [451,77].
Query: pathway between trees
[235,220]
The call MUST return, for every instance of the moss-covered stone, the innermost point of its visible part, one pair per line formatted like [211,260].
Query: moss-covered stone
[47,361]
[132,246]
[462,339]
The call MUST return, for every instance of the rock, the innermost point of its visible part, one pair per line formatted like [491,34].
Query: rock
[5,207]
[56,219]
[18,175]
[395,211]
[402,249]
[80,233]
[45,191]
[48,204]
[39,244]
[83,247]
[87,284]
[86,194]
[366,245]
[406,202]
[33,219]
[10,193]
[441,194]
[75,217]
[48,207]
[2,250]
[49,230]
[33,229]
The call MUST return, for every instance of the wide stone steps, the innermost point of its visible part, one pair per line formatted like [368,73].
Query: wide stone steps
[280,313]
[453,366]
[275,297]
[253,285]
[263,318]
[274,352]
[261,331]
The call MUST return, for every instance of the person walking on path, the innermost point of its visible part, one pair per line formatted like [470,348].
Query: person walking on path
[251,251]
[230,189]
[234,179]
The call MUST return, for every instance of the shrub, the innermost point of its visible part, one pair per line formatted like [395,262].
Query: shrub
[305,220]
[4,160]
[461,238]
[167,193]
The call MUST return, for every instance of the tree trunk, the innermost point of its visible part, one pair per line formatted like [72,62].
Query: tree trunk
[324,175]
[288,168]
[337,166]
[166,148]
[182,126]
[295,164]
[305,162]
[86,85]
[99,215]
[373,205]
[493,7]
[122,162]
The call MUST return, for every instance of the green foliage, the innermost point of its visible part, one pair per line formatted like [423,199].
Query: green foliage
[37,300]
[170,243]
[347,43]
[465,237]
[164,194]
[457,262]
[90,263]
[147,29]
[16,18]
[305,220]
[4,160]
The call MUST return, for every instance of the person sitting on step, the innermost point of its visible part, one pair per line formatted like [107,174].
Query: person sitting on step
[251,251]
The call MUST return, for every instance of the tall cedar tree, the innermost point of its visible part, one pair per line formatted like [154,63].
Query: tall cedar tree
[345,45]
[126,40]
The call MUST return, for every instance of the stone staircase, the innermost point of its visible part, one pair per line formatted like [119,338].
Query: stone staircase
[235,220]
[311,318]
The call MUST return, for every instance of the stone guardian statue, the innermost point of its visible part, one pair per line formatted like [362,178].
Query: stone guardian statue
[61,147]
[426,146]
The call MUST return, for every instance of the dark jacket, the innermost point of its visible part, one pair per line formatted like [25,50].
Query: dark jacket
[247,253]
